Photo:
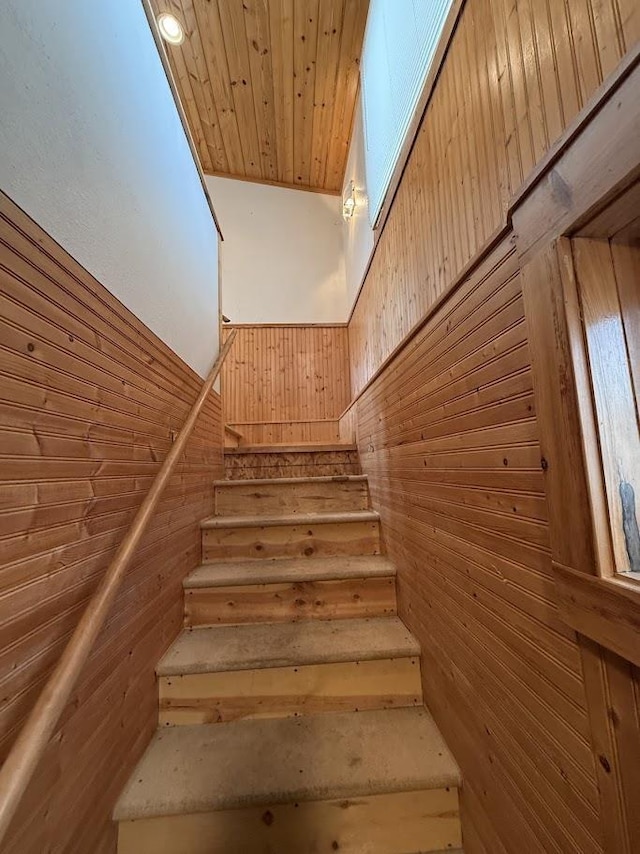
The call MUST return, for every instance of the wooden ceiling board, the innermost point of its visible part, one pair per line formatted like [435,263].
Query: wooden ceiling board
[207,52]
[282,29]
[269,86]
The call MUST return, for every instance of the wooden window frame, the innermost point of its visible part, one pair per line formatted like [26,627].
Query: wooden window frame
[562,202]
[606,397]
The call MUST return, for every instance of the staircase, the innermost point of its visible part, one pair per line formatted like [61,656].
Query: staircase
[277,461]
[291,716]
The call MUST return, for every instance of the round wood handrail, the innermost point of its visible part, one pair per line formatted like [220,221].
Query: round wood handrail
[30,745]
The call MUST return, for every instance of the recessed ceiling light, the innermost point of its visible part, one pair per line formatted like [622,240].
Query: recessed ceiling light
[170,28]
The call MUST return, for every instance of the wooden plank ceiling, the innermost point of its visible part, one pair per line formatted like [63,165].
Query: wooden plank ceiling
[269,86]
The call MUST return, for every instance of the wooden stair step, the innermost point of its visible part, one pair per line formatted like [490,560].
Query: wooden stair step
[301,448]
[292,495]
[277,669]
[299,534]
[289,590]
[396,823]
[304,519]
[264,481]
[254,646]
[289,570]
[287,461]
[288,760]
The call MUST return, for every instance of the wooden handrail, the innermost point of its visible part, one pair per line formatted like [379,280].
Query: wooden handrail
[30,745]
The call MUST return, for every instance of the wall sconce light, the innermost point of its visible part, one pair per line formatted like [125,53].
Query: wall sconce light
[349,202]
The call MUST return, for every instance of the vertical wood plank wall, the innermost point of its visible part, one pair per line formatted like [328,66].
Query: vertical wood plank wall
[515,76]
[88,400]
[286,383]
[447,429]
[448,436]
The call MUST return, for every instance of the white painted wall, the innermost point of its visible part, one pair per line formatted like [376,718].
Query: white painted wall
[357,231]
[93,149]
[282,256]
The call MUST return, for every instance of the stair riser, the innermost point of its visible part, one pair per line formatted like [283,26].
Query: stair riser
[291,540]
[307,600]
[286,498]
[425,821]
[344,686]
[285,464]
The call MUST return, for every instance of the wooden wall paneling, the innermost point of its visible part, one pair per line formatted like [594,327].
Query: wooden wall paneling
[447,435]
[629,17]
[90,399]
[581,282]
[570,446]
[613,687]
[559,197]
[535,66]
[270,86]
[478,835]
[286,381]
[455,429]
[347,425]
[288,432]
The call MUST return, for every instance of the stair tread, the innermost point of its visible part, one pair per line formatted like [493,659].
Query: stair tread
[337,755]
[287,570]
[278,481]
[273,520]
[310,448]
[261,645]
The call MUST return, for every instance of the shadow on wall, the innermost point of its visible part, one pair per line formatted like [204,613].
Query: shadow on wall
[93,149]
[283,257]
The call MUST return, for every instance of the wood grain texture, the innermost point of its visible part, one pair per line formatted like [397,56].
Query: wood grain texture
[287,432]
[551,308]
[448,433]
[248,466]
[602,609]
[613,689]
[302,539]
[347,424]
[275,692]
[514,78]
[278,374]
[449,440]
[90,398]
[590,286]
[290,602]
[610,339]
[425,821]
[269,86]
[287,497]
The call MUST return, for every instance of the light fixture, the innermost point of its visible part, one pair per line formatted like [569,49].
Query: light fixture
[170,28]
[349,201]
